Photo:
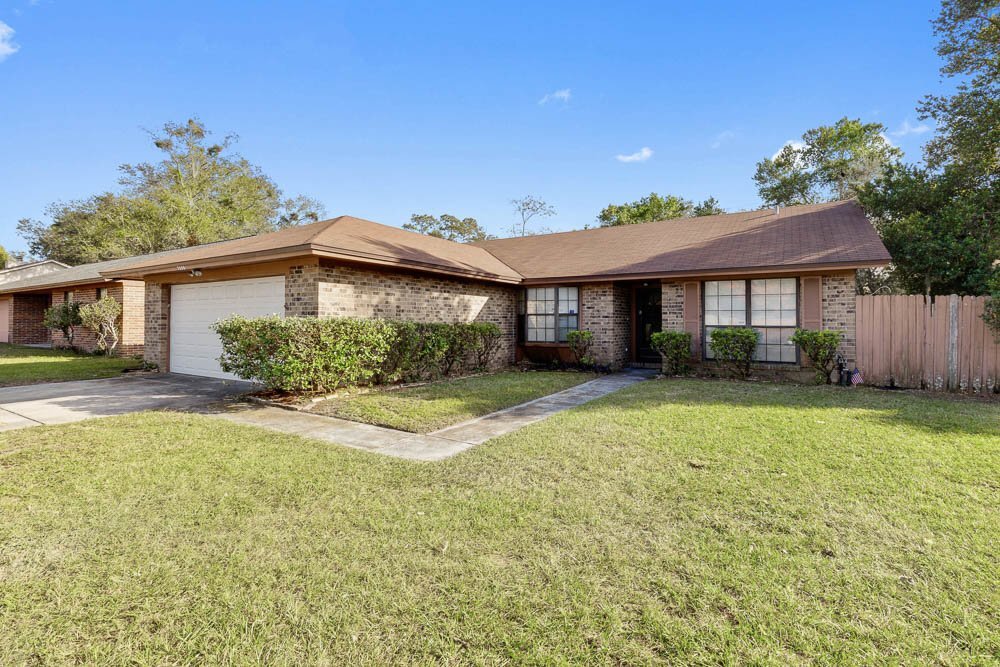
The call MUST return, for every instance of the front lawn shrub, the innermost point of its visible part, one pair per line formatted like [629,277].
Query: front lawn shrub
[821,347]
[304,354]
[308,354]
[64,317]
[580,342]
[675,348]
[488,339]
[734,348]
[102,317]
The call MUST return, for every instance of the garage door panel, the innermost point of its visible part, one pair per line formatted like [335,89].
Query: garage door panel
[194,347]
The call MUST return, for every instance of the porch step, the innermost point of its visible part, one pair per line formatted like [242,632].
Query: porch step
[644,364]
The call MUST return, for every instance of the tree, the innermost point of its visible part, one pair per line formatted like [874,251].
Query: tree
[651,208]
[64,317]
[968,121]
[102,317]
[708,207]
[832,162]
[5,257]
[198,193]
[466,230]
[943,236]
[529,207]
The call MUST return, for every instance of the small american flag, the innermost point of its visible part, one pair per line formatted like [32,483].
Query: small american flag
[856,378]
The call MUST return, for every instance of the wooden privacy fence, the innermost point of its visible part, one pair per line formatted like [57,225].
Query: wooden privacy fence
[920,342]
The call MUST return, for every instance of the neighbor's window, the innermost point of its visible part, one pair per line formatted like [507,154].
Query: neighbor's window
[771,309]
[101,292]
[67,296]
[551,313]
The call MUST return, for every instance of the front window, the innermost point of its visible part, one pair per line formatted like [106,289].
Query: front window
[771,309]
[551,313]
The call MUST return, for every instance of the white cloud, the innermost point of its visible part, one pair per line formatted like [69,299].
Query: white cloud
[721,138]
[794,143]
[908,128]
[561,95]
[641,155]
[7,45]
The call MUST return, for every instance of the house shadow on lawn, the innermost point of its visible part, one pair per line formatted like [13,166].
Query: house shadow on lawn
[925,412]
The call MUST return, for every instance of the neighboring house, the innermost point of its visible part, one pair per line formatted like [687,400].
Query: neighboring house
[771,269]
[20,272]
[27,299]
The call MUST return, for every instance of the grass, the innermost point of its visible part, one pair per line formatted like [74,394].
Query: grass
[434,406]
[677,521]
[28,365]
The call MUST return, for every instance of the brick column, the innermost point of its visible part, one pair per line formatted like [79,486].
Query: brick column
[839,311]
[156,348]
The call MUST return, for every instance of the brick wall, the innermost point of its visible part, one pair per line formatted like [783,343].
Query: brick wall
[157,325]
[130,294]
[606,310]
[344,291]
[26,312]
[838,293]
[673,306]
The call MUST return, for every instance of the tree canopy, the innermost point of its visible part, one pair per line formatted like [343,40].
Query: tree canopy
[655,207]
[831,162]
[968,120]
[4,257]
[199,192]
[464,230]
[526,208]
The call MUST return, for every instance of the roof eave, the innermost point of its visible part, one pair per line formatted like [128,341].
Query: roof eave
[709,273]
[7,289]
[310,249]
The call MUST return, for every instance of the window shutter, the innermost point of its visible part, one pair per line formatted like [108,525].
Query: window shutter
[692,316]
[812,303]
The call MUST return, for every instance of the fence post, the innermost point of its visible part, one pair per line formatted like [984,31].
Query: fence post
[953,342]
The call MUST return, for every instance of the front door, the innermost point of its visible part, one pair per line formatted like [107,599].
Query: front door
[648,320]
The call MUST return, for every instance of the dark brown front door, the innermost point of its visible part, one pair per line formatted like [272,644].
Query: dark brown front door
[648,320]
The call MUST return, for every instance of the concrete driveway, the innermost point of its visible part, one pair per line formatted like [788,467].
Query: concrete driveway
[63,402]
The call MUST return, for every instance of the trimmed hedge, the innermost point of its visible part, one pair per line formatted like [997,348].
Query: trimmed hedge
[734,348]
[821,347]
[310,354]
[675,348]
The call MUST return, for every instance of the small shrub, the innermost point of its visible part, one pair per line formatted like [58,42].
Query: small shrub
[821,347]
[580,342]
[102,318]
[64,317]
[734,349]
[461,341]
[675,348]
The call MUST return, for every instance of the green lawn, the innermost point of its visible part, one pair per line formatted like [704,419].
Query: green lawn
[676,521]
[433,406]
[29,365]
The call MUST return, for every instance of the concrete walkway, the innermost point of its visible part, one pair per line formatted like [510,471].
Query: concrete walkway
[432,446]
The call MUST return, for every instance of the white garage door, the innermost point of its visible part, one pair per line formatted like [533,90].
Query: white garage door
[194,347]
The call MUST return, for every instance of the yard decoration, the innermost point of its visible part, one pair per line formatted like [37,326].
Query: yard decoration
[580,342]
[102,318]
[821,347]
[734,348]
[64,317]
[675,348]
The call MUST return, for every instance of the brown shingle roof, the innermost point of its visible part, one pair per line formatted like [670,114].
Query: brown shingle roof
[800,237]
[835,234]
[344,238]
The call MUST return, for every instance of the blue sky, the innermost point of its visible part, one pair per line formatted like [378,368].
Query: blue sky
[383,109]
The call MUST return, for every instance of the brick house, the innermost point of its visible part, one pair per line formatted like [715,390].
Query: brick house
[21,272]
[27,299]
[773,270]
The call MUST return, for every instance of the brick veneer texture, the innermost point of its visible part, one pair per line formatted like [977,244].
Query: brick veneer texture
[26,312]
[606,311]
[130,294]
[839,311]
[157,325]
